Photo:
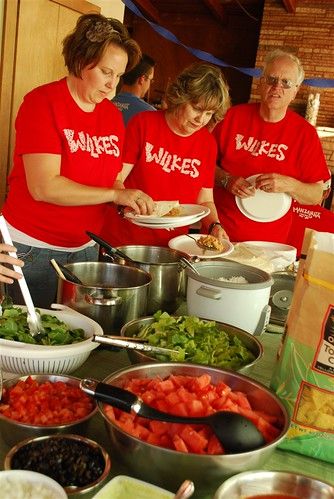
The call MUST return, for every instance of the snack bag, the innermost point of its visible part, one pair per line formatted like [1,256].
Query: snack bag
[304,375]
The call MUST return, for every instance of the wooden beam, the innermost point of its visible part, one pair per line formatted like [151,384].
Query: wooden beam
[290,6]
[148,10]
[217,9]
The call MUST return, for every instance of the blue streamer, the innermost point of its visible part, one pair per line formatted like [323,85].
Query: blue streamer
[206,56]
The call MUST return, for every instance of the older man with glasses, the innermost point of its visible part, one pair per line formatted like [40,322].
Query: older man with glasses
[267,148]
[135,86]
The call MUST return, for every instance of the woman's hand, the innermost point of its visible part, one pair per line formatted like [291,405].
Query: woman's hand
[135,199]
[8,275]
[239,186]
[219,232]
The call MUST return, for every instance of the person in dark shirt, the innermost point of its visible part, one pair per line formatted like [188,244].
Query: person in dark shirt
[136,84]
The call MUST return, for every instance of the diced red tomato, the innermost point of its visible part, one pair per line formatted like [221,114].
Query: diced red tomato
[46,403]
[187,396]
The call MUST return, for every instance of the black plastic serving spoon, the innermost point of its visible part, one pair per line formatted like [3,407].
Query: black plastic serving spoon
[235,432]
[110,250]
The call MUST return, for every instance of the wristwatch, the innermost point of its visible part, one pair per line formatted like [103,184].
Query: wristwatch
[225,179]
[213,225]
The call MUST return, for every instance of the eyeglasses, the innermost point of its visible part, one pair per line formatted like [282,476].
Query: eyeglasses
[275,80]
[148,78]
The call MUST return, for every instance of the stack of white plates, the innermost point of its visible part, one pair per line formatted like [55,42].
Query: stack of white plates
[190,214]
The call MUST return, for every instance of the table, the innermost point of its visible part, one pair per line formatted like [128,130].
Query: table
[103,361]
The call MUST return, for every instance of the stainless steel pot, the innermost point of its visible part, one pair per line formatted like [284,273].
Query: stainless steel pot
[111,294]
[168,287]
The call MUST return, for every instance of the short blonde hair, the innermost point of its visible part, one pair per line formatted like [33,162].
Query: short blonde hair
[88,41]
[200,82]
[278,54]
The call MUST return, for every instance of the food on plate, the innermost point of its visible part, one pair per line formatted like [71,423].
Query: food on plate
[193,396]
[166,208]
[69,461]
[14,326]
[196,340]
[45,403]
[211,243]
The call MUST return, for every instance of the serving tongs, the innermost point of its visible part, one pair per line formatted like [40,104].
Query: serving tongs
[33,318]
[121,342]
[109,250]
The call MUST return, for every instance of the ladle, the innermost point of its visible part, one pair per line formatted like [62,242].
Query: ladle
[188,264]
[235,432]
[132,345]
[110,250]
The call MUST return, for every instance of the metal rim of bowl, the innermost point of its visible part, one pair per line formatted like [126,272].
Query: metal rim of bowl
[224,487]
[149,366]
[46,377]
[72,489]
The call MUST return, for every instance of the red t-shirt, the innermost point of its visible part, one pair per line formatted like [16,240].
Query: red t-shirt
[167,167]
[308,216]
[248,145]
[90,144]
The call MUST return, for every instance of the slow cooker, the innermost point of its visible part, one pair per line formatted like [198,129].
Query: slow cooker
[241,304]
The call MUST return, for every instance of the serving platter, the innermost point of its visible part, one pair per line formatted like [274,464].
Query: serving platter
[264,206]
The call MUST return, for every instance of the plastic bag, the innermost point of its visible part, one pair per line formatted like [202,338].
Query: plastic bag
[304,375]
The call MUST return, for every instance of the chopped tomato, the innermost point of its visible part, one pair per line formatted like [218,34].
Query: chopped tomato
[187,396]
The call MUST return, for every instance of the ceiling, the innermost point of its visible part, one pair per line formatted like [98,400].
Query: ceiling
[155,9]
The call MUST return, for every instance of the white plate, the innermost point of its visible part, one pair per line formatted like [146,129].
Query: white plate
[187,210]
[187,245]
[176,221]
[264,206]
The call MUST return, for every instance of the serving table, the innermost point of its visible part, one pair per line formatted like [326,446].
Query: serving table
[103,361]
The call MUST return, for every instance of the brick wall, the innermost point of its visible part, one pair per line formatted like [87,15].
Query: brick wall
[308,33]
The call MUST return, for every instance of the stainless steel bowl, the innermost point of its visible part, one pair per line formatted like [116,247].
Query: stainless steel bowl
[91,445]
[168,468]
[14,431]
[256,483]
[132,328]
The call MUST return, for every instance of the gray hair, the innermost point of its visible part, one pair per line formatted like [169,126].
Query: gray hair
[281,53]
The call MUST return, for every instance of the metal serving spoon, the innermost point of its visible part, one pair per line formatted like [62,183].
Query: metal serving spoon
[132,345]
[235,432]
[187,263]
[186,490]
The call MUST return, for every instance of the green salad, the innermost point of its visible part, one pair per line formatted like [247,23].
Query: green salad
[14,326]
[196,341]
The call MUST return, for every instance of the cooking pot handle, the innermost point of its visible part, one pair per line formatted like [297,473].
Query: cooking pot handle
[263,321]
[103,301]
[211,293]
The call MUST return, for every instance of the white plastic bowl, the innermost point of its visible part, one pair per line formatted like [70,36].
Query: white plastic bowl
[33,484]
[24,358]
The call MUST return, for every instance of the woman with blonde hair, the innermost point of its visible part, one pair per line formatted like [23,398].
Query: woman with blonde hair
[171,155]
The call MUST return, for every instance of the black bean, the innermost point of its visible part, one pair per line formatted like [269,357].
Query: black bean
[69,462]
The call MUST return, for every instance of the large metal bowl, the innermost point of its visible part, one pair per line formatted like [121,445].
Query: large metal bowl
[132,328]
[168,468]
[284,484]
[14,431]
